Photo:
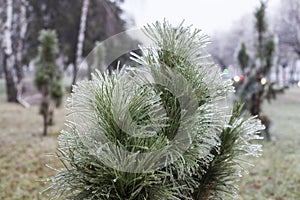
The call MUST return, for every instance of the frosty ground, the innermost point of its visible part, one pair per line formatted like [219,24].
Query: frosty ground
[276,174]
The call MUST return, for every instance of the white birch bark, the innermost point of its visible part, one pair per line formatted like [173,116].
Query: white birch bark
[22,24]
[23,29]
[81,34]
[8,60]
[7,43]
[81,37]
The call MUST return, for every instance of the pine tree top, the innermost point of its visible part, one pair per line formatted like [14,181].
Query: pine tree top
[156,131]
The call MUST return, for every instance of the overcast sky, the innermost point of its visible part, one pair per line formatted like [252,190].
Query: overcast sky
[208,15]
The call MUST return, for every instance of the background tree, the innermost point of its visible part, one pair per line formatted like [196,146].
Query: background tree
[20,33]
[48,76]
[222,49]
[31,16]
[256,87]
[103,20]
[288,25]
[243,58]
[81,37]
[19,40]
[8,57]
[14,29]
[225,44]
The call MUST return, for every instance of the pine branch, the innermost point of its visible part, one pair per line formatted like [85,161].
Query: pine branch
[157,132]
[223,171]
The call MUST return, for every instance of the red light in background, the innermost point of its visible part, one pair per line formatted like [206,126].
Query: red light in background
[242,77]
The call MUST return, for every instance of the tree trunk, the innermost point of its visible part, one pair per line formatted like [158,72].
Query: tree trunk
[81,37]
[45,108]
[284,74]
[277,74]
[11,89]
[22,28]
[45,118]
[292,73]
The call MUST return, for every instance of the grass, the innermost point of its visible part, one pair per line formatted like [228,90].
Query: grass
[276,175]
[23,150]
[2,86]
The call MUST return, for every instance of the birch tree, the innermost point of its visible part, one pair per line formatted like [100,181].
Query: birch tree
[103,20]
[8,59]
[14,29]
[22,28]
[81,37]
[288,25]
[21,31]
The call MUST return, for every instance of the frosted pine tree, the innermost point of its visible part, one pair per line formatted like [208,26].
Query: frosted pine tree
[257,86]
[156,131]
[48,77]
